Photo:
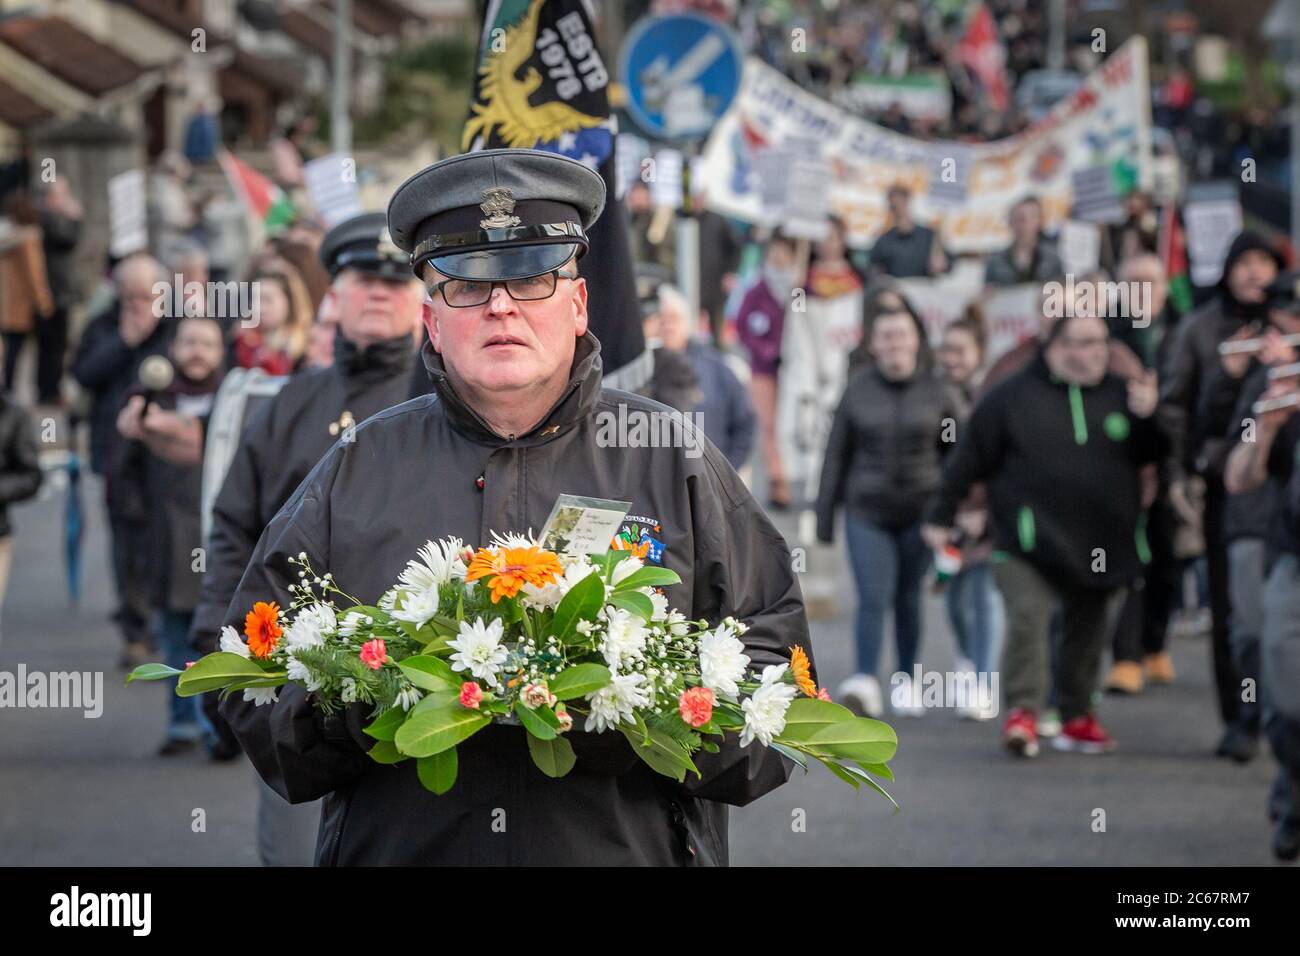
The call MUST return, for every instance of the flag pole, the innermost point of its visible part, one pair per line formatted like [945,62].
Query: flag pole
[340,121]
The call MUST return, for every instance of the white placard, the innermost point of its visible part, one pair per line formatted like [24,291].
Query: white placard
[1211,226]
[1079,244]
[128,223]
[331,182]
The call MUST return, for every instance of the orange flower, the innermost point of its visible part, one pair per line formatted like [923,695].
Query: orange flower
[509,569]
[262,625]
[802,671]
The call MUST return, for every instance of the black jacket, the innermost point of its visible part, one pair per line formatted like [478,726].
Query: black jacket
[20,473]
[108,368]
[1225,403]
[1061,465]
[885,449]
[174,494]
[410,476]
[281,444]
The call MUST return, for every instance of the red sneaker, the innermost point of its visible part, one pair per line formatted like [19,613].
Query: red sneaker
[1020,733]
[1084,735]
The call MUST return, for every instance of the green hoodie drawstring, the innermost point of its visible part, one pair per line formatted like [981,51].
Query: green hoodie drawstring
[1076,413]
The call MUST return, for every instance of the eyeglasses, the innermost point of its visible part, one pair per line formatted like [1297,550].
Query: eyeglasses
[467,293]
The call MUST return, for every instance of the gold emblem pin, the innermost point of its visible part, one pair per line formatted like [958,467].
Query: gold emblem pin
[497,205]
[343,424]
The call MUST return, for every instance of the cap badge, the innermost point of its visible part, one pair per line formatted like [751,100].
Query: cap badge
[387,248]
[498,203]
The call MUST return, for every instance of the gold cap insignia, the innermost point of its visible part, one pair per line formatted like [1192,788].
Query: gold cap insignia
[498,203]
[387,248]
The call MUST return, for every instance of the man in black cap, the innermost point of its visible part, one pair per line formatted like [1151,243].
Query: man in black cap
[515,422]
[1264,460]
[379,306]
[1238,309]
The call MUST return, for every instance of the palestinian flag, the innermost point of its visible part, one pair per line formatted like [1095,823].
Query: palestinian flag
[542,84]
[1173,256]
[268,206]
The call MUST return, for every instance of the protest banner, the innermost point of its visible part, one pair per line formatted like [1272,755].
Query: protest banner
[1090,149]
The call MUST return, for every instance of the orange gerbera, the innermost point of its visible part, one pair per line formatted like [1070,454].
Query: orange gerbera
[509,569]
[802,671]
[262,625]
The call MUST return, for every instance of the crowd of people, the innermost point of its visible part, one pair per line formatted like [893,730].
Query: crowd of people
[1064,490]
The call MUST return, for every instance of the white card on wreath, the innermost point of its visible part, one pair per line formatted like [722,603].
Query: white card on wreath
[582,525]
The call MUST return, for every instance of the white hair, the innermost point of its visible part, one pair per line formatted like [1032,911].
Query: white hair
[670,297]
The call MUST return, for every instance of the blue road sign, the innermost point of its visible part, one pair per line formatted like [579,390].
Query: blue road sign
[681,72]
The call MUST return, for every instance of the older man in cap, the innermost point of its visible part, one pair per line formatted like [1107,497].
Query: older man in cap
[514,423]
[379,307]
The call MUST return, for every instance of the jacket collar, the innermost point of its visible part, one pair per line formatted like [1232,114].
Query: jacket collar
[380,359]
[577,403]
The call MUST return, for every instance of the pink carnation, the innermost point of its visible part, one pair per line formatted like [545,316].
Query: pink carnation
[374,654]
[696,706]
[471,695]
[823,694]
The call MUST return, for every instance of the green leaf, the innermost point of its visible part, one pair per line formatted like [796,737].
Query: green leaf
[663,754]
[152,672]
[634,602]
[859,775]
[806,716]
[535,726]
[438,772]
[879,769]
[215,671]
[581,604]
[269,679]
[648,577]
[578,680]
[553,757]
[429,673]
[843,773]
[861,739]
[709,747]
[790,752]
[436,701]
[548,715]
[385,751]
[384,727]
[438,728]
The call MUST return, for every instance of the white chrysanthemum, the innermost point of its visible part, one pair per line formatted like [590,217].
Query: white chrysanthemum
[387,600]
[350,623]
[302,674]
[628,566]
[310,627]
[257,696]
[722,660]
[232,643]
[478,649]
[677,624]
[616,701]
[512,539]
[439,562]
[408,698]
[417,607]
[765,710]
[660,604]
[551,594]
[625,636]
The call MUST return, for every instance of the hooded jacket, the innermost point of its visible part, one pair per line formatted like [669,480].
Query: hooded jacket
[1061,465]
[1189,371]
[412,473]
[281,444]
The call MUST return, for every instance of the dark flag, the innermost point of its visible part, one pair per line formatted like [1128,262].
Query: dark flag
[542,84]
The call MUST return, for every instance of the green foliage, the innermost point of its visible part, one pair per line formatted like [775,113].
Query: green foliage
[438,772]
[579,680]
[215,671]
[554,757]
[426,93]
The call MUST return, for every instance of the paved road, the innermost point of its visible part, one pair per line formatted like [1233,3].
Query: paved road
[78,791]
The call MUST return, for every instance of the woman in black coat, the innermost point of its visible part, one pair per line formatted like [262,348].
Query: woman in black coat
[896,419]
